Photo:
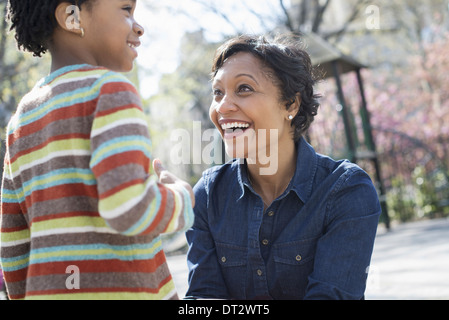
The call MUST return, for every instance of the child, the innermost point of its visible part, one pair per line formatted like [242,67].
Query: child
[81,213]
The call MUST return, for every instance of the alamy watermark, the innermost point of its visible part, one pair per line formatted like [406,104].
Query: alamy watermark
[73,20]
[73,280]
[206,147]
[373,20]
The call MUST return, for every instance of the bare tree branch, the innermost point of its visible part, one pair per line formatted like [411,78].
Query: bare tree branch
[288,21]
[213,8]
[336,35]
[303,13]
[319,16]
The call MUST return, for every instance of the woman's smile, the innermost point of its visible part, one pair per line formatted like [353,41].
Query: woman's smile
[232,129]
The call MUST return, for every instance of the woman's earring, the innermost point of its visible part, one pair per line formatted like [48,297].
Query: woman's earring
[82,32]
[290,117]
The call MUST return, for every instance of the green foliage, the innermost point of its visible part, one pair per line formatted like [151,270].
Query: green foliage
[426,196]
[400,200]
[432,193]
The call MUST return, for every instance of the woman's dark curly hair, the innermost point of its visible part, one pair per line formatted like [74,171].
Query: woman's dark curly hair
[34,22]
[293,71]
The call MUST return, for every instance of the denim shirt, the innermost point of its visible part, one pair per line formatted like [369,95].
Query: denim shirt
[313,242]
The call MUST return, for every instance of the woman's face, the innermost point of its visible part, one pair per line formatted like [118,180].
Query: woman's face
[112,34]
[247,110]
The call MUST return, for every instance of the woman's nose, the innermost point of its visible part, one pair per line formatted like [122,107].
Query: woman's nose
[226,105]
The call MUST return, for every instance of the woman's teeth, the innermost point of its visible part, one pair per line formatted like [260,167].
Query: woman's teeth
[234,126]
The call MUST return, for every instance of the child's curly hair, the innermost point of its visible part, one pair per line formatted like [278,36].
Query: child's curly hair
[34,22]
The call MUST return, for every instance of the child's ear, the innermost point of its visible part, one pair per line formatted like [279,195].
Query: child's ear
[68,18]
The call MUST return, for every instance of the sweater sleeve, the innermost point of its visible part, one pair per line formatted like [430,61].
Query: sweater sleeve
[130,198]
[14,236]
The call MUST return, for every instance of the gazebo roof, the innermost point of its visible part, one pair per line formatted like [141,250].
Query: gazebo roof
[323,54]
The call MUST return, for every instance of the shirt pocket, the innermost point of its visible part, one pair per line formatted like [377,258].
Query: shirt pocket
[233,261]
[293,265]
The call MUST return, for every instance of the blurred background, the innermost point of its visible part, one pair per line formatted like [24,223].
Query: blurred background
[384,69]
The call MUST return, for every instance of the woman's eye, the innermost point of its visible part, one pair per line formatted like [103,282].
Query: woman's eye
[216,92]
[245,89]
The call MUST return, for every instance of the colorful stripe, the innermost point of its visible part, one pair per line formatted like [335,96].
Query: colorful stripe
[77,191]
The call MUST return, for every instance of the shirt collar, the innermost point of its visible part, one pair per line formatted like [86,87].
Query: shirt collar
[302,181]
[306,167]
[242,176]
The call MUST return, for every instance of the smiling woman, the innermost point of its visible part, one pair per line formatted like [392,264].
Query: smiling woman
[304,231]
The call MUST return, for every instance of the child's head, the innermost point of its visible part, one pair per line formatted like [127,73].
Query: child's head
[34,22]
[97,32]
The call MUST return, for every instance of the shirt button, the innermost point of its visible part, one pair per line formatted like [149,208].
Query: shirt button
[271,213]
[259,272]
[265,242]
[298,258]
[223,259]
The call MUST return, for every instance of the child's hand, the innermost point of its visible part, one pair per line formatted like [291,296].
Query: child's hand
[166,177]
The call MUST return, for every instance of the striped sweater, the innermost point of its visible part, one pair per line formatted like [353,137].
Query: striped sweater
[81,213]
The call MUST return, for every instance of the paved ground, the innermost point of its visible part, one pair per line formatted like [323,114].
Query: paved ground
[410,262]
